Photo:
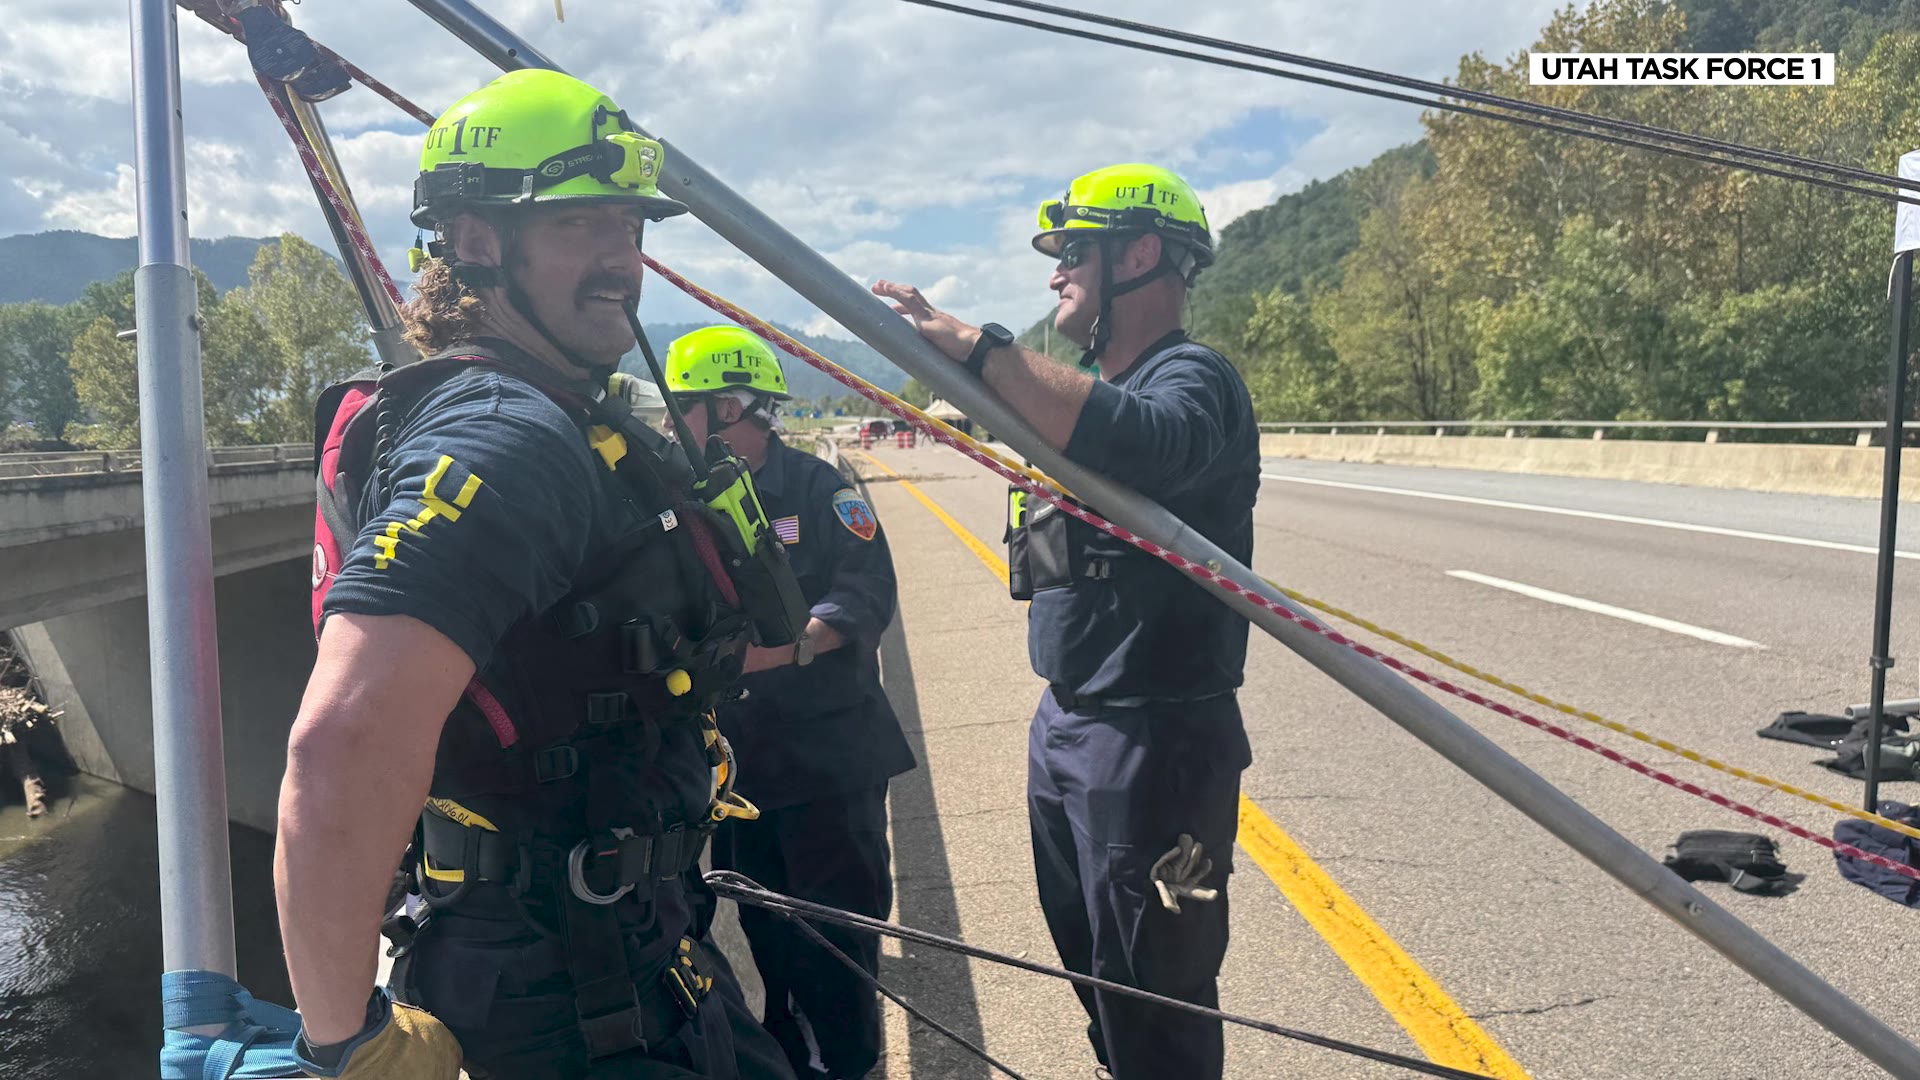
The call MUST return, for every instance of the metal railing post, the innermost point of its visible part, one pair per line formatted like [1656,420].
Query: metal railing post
[190,780]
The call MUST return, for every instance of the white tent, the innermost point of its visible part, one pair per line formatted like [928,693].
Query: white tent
[941,409]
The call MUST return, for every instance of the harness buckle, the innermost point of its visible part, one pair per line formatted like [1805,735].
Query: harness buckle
[607,708]
[556,763]
[400,929]
[577,866]
[685,982]
[577,620]
[646,647]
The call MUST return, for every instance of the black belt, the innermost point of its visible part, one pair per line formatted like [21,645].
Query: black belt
[616,1011]
[598,870]
[1071,702]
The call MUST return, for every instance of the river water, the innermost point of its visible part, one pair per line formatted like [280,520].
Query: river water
[80,932]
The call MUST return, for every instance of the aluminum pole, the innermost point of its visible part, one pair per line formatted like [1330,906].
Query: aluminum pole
[196,889]
[874,322]
[383,318]
[1889,517]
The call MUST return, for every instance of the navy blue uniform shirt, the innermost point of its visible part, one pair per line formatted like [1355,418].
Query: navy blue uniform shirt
[804,733]
[1178,427]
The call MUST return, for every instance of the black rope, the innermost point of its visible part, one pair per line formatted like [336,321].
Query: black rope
[854,966]
[1435,103]
[1483,97]
[745,890]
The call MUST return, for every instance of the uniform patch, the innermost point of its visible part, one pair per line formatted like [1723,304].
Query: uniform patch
[855,514]
[787,529]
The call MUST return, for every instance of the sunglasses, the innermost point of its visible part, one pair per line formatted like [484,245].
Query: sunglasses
[1075,252]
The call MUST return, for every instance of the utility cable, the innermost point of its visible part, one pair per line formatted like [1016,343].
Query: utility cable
[1437,103]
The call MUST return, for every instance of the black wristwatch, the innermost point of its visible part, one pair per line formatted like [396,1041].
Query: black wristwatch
[992,336]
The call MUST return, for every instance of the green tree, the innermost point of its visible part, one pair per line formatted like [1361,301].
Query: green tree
[1396,322]
[112,299]
[241,371]
[107,380]
[1593,341]
[35,382]
[1290,367]
[916,393]
[314,332]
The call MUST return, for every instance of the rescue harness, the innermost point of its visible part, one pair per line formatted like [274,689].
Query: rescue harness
[561,772]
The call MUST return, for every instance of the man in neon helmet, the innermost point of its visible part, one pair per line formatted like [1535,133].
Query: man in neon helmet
[1137,744]
[523,631]
[818,729]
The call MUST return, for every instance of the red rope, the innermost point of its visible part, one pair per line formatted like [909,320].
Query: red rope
[348,219]
[775,337]
[377,86]
[779,340]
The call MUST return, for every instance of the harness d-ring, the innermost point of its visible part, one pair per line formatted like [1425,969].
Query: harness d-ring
[577,878]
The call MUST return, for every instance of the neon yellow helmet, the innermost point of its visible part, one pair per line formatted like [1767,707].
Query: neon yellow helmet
[1128,200]
[535,136]
[718,358]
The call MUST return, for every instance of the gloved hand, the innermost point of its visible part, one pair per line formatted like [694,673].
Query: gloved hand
[1178,873]
[404,1043]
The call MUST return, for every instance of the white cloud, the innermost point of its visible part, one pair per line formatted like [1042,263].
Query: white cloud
[107,211]
[851,125]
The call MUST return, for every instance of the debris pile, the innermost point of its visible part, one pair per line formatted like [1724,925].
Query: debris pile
[21,711]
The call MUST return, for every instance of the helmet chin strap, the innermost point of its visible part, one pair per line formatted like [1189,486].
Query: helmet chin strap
[1102,323]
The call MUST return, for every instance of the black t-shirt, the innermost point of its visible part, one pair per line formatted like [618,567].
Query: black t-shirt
[496,503]
[1178,427]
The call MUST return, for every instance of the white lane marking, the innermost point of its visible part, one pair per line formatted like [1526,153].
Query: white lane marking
[1598,608]
[1596,515]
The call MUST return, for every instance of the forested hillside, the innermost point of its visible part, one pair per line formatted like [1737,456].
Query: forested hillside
[1494,271]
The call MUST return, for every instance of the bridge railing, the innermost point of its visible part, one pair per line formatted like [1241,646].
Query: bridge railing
[96,462]
[1863,429]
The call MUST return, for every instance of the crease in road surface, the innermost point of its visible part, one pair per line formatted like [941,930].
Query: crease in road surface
[1442,1030]
[1626,614]
[1536,1010]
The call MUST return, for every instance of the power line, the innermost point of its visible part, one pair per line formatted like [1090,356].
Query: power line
[1449,106]
[1483,97]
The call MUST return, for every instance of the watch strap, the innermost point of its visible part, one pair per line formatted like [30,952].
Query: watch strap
[992,336]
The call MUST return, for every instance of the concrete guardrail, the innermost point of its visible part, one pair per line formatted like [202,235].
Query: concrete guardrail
[1853,471]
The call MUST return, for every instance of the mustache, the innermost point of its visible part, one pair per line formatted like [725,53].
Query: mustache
[604,281]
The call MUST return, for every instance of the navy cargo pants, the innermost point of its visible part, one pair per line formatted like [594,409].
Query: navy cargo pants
[1109,791]
[831,851]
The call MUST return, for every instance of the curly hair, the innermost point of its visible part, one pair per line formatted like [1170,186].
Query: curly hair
[443,310]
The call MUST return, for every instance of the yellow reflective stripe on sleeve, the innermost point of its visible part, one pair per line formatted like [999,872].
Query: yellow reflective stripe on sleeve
[432,506]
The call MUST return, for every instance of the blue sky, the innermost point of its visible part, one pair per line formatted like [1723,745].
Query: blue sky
[899,141]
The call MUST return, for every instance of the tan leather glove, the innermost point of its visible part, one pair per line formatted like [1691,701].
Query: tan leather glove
[409,1045]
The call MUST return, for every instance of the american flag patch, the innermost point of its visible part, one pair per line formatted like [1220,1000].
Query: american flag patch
[787,529]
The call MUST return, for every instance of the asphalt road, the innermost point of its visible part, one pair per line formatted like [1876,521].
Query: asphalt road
[1549,960]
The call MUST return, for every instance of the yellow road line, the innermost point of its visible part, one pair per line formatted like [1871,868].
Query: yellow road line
[1411,996]
[1443,1031]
